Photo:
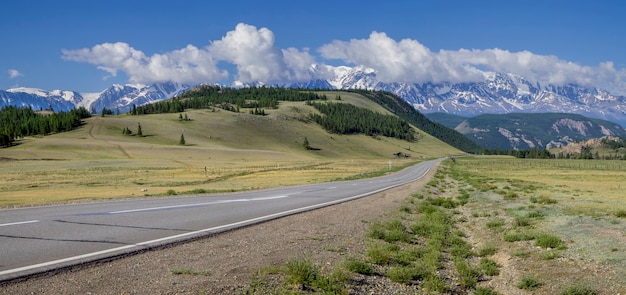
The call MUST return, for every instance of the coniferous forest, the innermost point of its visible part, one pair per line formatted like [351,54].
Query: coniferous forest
[404,110]
[342,118]
[17,122]
[231,99]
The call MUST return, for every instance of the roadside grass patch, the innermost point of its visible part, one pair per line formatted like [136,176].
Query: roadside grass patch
[487,250]
[358,266]
[496,223]
[547,240]
[489,267]
[529,283]
[305,275]
[579,290]
[516,236]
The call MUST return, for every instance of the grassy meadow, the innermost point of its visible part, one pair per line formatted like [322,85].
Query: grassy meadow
[489,225]
[223,152]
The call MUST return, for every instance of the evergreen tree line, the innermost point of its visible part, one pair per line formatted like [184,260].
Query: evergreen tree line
[231,99]
[406,111]
[342,118]
[534,153]
[17,122]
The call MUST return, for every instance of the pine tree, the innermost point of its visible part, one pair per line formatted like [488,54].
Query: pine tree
[306,144]
[182,139]
[139,132]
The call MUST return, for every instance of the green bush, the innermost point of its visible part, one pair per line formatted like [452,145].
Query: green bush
[300,272]
[489,267]
[468,277]
[519,236]
[521,221]
[487,251]
[378,254]
[546,240]
[402,274]
[434,283]
[495,223]
[358,266]
[529,283]
[170,192]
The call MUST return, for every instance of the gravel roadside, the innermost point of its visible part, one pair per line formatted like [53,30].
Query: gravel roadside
[224,263]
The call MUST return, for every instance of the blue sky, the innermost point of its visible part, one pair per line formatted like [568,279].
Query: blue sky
[88,45]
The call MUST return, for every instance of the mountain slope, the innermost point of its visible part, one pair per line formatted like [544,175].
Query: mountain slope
[525,131]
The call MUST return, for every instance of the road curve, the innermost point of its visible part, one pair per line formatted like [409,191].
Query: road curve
[40,239]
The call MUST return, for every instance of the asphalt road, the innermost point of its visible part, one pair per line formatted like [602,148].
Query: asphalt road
[39,239]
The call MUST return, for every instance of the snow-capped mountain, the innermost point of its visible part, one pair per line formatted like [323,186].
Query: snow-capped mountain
[116,97]
[498,93]
[40,99]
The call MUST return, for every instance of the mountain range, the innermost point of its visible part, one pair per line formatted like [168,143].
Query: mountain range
[498,93]
[523,131]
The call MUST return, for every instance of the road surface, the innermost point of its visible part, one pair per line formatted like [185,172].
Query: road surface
[39,239]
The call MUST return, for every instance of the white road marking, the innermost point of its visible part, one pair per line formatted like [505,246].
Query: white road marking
[21,222]
[198,204]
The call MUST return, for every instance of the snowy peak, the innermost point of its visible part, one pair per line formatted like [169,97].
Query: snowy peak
[117,97]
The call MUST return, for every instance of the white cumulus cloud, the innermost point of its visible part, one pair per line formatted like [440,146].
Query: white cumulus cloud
[186,65]
[13,73]
[408,60]
[253,51]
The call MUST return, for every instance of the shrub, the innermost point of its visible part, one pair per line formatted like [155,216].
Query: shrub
[358,266]
[434,283]
[468,277]
[489,267]
[300,272]
[534,214]
[495,223]
[546,240]
[529,283]
[408,255]
[402,274]
[549,255]
[519,236]
[378,254]
[170,192]
[521,221]
[487,251]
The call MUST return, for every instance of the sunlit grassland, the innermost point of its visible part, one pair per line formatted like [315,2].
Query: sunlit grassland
[224,152]
[557,220]
[581,186]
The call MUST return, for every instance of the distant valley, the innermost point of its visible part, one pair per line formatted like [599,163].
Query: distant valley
[522,131]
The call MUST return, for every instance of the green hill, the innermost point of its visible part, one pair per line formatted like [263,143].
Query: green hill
[223,151]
